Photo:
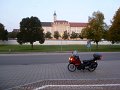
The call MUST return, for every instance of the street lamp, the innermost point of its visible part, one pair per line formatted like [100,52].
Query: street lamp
[61,42]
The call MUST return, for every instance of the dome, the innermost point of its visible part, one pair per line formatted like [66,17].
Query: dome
[54,14]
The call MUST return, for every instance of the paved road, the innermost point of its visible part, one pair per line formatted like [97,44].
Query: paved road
[96,84]
[16,75]
[45,58]
[20,69]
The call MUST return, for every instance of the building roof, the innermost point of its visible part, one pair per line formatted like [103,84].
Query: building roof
[72,24]
[54,13]
[77,24]
[60,21]
[46,24]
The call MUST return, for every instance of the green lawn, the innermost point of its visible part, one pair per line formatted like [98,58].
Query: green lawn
[57,48]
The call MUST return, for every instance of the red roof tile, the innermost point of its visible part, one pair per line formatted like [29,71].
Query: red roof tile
[60,21]
[76,24]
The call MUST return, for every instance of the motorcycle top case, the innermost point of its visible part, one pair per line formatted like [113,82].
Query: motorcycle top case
[97,56]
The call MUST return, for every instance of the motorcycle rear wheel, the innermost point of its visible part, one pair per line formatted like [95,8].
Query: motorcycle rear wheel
[71,67]
[92,67]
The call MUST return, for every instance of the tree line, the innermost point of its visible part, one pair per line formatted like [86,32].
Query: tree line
[97,29]
[31,30]
[66,35]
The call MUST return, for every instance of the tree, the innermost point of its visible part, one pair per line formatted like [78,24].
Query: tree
[65,35]
[105,32]
[74,35]
[48,35]
[84,32]
[95,28]
[3,33]
[80,36]
[30,31]
[12,35]
[114,31]
[56,34]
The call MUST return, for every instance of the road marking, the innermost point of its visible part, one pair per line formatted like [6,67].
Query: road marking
[95,85]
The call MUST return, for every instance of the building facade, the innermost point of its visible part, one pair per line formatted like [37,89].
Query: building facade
[62,25]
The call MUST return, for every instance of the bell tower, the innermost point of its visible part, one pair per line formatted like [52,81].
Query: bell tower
[54,16]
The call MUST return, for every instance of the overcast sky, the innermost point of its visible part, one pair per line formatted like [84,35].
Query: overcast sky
[12,11]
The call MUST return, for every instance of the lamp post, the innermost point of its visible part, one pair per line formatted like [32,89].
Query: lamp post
[61,42]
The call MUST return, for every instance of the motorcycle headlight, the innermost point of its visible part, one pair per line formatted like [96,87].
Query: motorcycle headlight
[70,59]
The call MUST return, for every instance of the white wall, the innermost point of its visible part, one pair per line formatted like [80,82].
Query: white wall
[58,42]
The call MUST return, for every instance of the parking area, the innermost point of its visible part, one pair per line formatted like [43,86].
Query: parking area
[52,76]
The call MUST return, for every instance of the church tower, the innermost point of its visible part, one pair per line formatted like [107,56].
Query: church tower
[54,16]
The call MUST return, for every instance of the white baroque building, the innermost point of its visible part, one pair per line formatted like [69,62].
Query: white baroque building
[62,25]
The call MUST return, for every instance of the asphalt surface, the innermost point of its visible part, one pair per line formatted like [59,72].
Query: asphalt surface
[46,58]
[24,72]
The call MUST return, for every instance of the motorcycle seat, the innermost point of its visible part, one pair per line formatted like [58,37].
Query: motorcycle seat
[85,61]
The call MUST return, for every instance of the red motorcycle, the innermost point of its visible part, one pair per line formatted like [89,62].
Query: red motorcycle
[90,65]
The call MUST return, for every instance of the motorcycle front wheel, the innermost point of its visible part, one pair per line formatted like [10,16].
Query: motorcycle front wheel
[71,67]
